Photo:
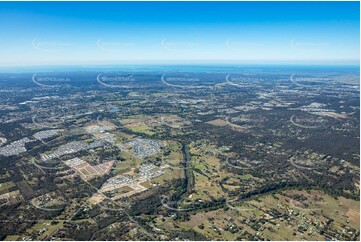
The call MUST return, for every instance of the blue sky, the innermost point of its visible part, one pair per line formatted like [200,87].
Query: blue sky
[79,33]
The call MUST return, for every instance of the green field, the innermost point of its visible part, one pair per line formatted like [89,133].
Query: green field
[7,187]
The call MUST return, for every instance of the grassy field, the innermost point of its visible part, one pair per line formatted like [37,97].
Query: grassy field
[143,129]
[119,191]
[12,237]
[127,165]
[344,212]
[122,137]
[169,175]
[218,122]
[45,228]
[6,187]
